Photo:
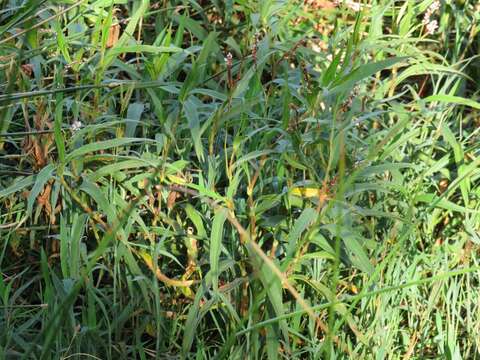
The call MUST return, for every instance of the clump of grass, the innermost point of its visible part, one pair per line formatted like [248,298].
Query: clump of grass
[249,179]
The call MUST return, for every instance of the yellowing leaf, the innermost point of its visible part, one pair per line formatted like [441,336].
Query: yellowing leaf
[306,192]
[177,179]
[146,258]
[150,330]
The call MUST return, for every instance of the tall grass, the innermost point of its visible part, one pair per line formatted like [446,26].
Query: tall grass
[239,179]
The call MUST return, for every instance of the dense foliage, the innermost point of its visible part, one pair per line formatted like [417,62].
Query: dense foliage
[239,179]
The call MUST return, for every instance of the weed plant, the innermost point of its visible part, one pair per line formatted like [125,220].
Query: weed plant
[239,179]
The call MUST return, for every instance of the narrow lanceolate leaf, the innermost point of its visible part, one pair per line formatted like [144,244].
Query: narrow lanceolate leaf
[196,219]
[353,243]
[59,140]
[451,99]
[128,34]
[197,74]
[101,145]
[193,26]
[18,185]
[99,197]
[458,153]
[253,155]
[43,176]
[363,72]
[61,42]
[436,201]
[273,287]
[144,49]
[118,167]
[216,244]
[357,253]
[191,114]
[134,113]
[193,318]
[308,216]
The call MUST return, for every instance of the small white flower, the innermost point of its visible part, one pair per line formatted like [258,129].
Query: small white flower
[432,27]
[354,6]
[228,58]
[316,48]
[426,18]
[434,6]
[77,125]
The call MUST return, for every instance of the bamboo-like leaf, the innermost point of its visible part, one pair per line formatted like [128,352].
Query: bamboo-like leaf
[441,203]
[306,218]
[364,71]
[100,145]
[191,114]
[134,114]
[216,238]
[42,178]
[451,99]
[18,185]
[127,34]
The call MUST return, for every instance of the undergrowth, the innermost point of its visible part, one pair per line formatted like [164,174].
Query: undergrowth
[239,179]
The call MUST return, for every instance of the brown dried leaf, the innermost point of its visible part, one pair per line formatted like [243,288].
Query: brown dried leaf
[39,155]
[172,198]
[44,199]
[443,185]
[27,69]
[113,35]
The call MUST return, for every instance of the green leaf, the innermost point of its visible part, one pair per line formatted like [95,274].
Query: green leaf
[436,201]
[134,113]
[329,74]
[59,140]
[127,35]
[351,241]
[196,219]
[364,71]
[243,85]
[61,41]
[18,185]
[150,49]
[459,160]
[450,99]
[216,238]
[192,25]
[273,287]
[43,176]
[191,324]
[306,218]
[253,155]
[101,145]
[99,197]
[198,71]
[357,253]
[190,110]
[119,166]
